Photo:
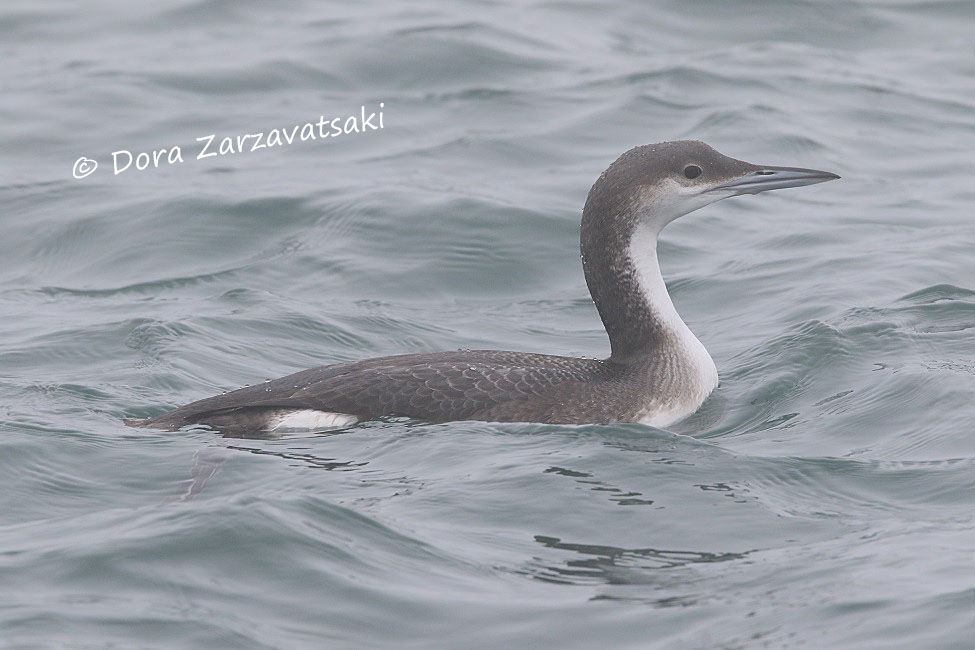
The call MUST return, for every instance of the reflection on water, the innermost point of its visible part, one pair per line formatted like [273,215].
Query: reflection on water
[208,460]
[601,564]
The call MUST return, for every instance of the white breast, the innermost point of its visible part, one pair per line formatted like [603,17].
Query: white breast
[699,375]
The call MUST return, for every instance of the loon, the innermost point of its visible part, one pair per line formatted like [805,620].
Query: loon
[657,373]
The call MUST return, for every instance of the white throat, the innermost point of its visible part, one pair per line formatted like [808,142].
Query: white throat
[643,255]
[698,375]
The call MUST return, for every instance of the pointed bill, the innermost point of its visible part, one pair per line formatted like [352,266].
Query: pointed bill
[774,178]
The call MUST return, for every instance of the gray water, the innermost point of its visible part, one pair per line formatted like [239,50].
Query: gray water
[824,496]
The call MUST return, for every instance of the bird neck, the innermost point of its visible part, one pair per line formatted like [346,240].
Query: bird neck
[624,278]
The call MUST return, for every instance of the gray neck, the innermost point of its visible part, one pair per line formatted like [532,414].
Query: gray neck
[624,279]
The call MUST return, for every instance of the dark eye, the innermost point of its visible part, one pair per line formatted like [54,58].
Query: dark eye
[692,171]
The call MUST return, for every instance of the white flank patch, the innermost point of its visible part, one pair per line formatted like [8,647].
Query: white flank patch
[309,420]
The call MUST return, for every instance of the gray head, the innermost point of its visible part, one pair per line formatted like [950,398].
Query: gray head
[639,194]
[654,184]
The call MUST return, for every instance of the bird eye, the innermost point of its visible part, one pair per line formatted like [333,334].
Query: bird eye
[692,171]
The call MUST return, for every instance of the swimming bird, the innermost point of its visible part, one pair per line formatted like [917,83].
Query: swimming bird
[657,372]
